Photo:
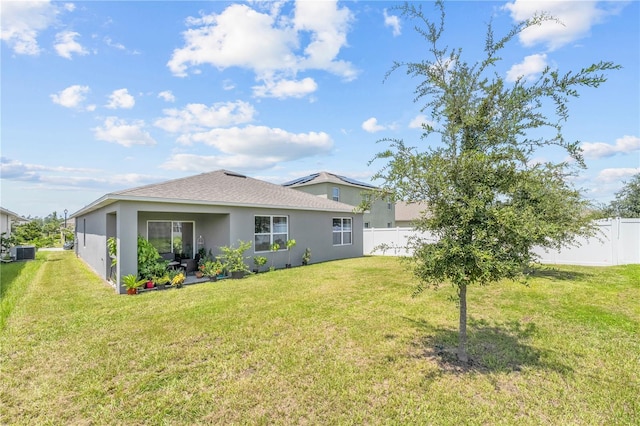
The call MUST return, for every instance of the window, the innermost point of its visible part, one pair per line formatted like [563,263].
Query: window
[341,231]
[367,201]
[171,237]
[269,230]
[367,225]
[336,194]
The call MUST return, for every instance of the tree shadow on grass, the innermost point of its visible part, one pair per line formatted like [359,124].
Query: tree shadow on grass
[492,347]
[551,273]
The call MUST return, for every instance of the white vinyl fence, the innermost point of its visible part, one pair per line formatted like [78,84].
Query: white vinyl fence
[617,243]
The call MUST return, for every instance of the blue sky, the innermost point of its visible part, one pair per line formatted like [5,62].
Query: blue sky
[102,96]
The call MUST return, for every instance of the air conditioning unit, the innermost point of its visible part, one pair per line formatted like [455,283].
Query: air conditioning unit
[23,252]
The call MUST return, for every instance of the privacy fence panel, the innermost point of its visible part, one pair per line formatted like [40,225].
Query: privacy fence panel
[617,243]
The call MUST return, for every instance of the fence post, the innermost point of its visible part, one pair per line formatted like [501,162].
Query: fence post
[614,237]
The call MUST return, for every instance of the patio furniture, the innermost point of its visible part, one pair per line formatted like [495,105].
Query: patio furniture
[189,265]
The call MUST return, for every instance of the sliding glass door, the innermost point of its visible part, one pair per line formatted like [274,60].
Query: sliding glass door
[172,237]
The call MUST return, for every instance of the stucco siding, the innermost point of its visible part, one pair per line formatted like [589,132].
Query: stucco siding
[379,216]
[218,225]
[5,224]
[91,241]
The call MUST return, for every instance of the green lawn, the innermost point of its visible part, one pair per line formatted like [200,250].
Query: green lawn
[334,343]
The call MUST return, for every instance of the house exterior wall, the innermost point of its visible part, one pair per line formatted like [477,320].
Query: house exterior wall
[381,215]
[218,225]
[310,229]
[91,241]
[5,223]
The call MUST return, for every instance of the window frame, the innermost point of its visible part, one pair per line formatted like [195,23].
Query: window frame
[335,193]
[172,231]
[342,231]
[271,233]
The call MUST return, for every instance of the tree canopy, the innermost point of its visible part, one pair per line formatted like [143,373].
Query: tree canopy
[488,202]
[627,201]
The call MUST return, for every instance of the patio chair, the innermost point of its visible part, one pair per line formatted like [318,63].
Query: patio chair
[189,265]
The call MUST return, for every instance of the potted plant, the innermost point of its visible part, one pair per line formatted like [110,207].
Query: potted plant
[201,257]
[161,281]
[273,248]
[259,261]
[200,271]
[306,256]
[290,244]
[178,280]
[212,268]
[131,282]
[234,259]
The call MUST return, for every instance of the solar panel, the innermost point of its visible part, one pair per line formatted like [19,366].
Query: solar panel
[354,182]
[301,180]
[234,174]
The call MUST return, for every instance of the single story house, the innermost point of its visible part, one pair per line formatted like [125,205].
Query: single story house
[8,219]
[211,210]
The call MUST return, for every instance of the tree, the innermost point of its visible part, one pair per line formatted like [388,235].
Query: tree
[627,202]
[488,203]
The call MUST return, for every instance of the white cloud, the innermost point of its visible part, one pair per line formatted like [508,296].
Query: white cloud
[623,145]
[167,95]
[22,21]
[371,125]
[121,99]
[66,44]
[419,120]
[577,18]
[262,141]
[528,68]
[120,131]
[239,36]
[196,117]
[267,43]
[392,21]
[71,97]
[60,178]
[328,25]
[251,147]
[286,88]
[616,175]
[109,42]
[205,163]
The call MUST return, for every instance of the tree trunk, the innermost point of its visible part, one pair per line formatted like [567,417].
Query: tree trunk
[462,336]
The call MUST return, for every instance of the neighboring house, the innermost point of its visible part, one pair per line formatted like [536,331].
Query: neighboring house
[406,213]
[349,191]
[8,219]
[211,210]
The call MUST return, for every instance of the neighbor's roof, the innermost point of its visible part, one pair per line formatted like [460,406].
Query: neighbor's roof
[12,214]
[324,177]
[409,211]
[221,187]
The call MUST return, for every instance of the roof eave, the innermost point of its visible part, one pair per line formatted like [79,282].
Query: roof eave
[110,199]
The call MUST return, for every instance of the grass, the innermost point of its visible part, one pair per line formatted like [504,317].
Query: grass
[334,343]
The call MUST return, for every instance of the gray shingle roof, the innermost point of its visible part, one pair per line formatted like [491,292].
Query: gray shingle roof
[322,177]
[223,187]
[409,211]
